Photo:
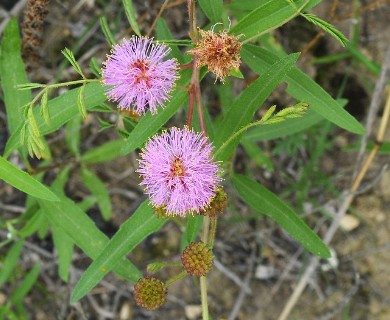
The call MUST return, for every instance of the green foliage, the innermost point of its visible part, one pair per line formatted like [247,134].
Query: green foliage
[24,182]
[72,60]
[264,201]
[106,31]
[301,87]
[130,14]
[252,98]
[269,15]
[212,9]
[230,117]
[99,190]
[12,74]
[327,27]
[142,223]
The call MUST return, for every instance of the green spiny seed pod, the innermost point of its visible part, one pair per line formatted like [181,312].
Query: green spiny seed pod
[197,259]
[217,204]
[150,293]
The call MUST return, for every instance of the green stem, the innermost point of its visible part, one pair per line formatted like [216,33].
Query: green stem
[203,292]
[213,230]
[179,276]
[237,133]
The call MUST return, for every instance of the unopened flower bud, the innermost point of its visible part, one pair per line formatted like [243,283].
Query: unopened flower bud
[150,293]
[160,212]
[197,259]
[217,204]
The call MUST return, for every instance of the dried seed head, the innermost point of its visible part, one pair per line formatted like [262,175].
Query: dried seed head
[219,51]
[197,259]
[217,204]
[150,293]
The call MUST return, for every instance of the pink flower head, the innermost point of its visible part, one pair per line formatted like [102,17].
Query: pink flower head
[178,171]
[137,76]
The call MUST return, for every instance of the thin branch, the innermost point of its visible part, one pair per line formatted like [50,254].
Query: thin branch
[373,109]
[163,7]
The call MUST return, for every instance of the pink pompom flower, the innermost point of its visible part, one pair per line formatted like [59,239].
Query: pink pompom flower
[178,171]
[137,76]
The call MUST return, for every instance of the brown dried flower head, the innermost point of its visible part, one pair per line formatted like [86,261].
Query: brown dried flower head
[219,51]
[197,259]
[150,293]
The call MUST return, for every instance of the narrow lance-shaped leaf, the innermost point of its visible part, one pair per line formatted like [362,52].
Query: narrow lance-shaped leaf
[163,33]
[142,223]
[193,226]
[252,98]
[12,74]
[62,109]
[24,182]
[81,102]
[28,281]
[301,87]
[84,233]
[99,190]
[72,60]
[106,152]
[270,15]
[264,201]
[212,9]
[327,27]
[130,14]
[44,108]
[106,30]
[64,247]
[10,261]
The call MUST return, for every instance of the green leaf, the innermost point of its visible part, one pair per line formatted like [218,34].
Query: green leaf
[10,261]
[106,152]
[327,27]
[72,60]
[12,74]
[285,128]
[44,108]
[99,190]
[141,224]
[26,285]
[301,87]
[212,9]
[23,181]
[150,124]
[264,201]
[270,15]
[130,14]
[81,102]
[62,109]
[252,98]
[64,246]
[73,135]
[257,154]
[84,233]
[236,73]
[193,226]
[35,223]
[106,31]
[163,34]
